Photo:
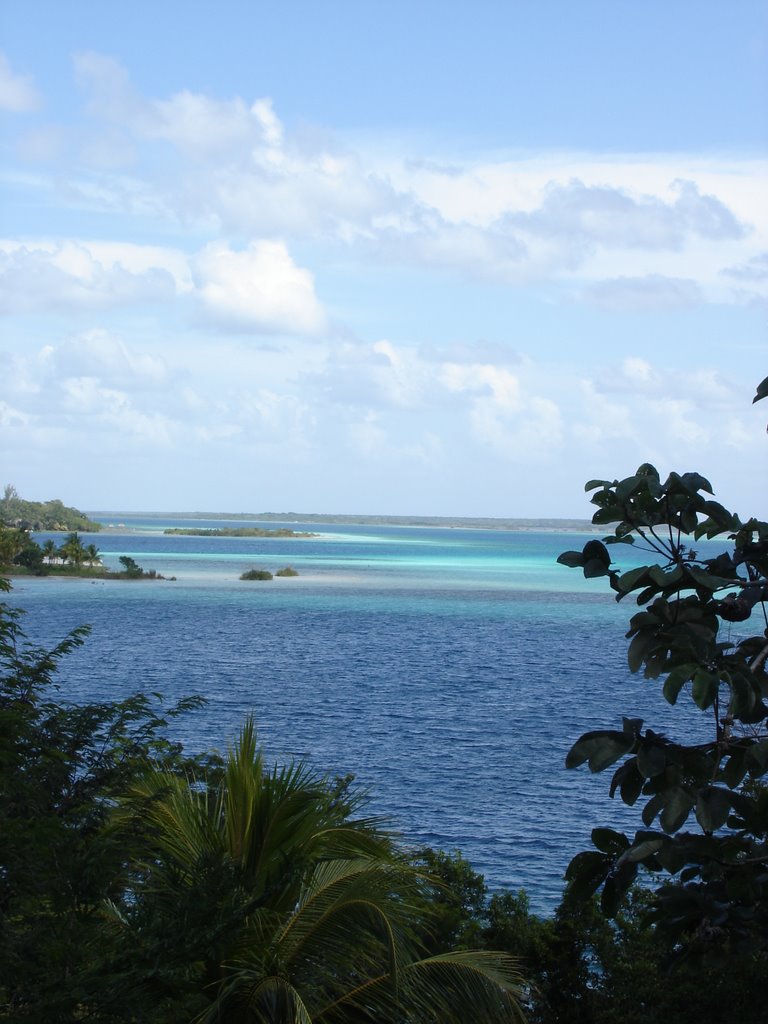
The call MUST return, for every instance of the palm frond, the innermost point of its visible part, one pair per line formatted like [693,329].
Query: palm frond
[257,1000]
[347,912]
[178,811]
[468,987]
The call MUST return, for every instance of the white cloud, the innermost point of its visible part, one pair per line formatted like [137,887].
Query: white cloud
[18,94]
[518,425]
[680,420]
[478,252]
[643,294]
[478,379]
[12,418]
[466,352]
[600,419]
[274,419]
[641,411]
[368,436]
[99,354]
[638,370]
[531,435]
[380,376]
[41,144]
[69,275]
[212,128]
[235,169]
[113,410]
[401,375]
[271,127]
[584,216]
[639,378]
[259,289]
[395,397]
[108,87]
[229,167]
[755,269]
[376,441]
[89,386]
[570,215]
[481,191]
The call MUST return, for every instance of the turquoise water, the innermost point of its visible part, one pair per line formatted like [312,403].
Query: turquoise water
[449,670]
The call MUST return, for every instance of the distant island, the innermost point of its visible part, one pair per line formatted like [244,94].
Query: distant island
[49,516]
[265,574]
[237,531]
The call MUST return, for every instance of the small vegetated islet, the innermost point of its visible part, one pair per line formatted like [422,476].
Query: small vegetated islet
[256,574]
[265,574]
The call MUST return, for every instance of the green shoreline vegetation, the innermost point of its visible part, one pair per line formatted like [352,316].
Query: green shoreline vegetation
[444,522]
[49,516]
[235,531]
[21,555]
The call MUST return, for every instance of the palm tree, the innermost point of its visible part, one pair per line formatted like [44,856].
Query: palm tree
[72,550]
[12,543]
[293,909]
[91,554]
[345,954]
[49,551]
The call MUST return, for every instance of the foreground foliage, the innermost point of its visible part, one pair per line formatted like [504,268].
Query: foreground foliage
[585,968]
[687,634]
[61,769]
[705,805]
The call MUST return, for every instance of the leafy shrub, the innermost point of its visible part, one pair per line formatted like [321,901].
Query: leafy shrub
[287,571]
[256,574]
[131,568]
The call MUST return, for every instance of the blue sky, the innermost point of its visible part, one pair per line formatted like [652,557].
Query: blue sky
[432,258]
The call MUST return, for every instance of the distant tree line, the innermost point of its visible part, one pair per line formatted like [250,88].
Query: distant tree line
[19,549]
[236,531]
[19,552]
[457,522]
[42,515]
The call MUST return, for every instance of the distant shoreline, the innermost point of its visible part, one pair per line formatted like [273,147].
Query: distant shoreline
[434,522]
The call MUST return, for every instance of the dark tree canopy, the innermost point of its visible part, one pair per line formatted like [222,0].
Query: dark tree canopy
[42,515]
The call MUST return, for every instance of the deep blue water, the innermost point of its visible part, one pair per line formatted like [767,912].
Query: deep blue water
[449,670]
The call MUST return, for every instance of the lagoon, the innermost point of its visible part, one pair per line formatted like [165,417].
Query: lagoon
[449,670]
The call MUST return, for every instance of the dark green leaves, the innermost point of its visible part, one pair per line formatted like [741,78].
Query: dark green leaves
[600,749]
[708,797]
[573,559]
[678,804]
[705,686]
[593,559]
[651,759]
[609,841]
[713,805]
